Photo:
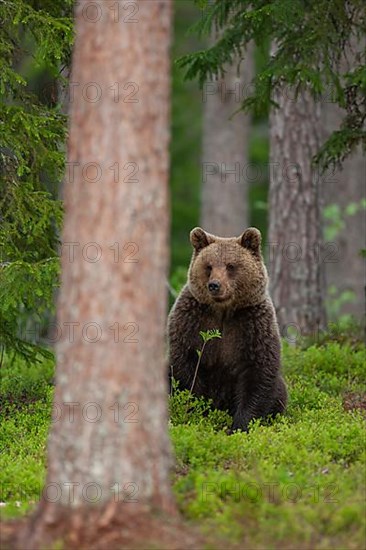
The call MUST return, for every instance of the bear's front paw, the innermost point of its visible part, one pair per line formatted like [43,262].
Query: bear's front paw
[240,422]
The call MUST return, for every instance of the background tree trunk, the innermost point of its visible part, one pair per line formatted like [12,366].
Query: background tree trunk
[109,452]
[343,188]
[225,150]
[295,229]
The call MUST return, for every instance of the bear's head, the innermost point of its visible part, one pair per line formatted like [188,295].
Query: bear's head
[227,272]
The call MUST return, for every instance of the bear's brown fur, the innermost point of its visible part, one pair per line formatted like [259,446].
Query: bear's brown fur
[227,290]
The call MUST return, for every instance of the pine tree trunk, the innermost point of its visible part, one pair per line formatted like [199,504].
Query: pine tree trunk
[295,208]
[345,268]
[224,209]
[109,453]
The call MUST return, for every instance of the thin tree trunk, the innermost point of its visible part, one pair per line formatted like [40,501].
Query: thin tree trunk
[109,441]
[345,270]
[295,229]
[224,209]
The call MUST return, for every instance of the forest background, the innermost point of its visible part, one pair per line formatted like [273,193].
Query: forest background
[34,83]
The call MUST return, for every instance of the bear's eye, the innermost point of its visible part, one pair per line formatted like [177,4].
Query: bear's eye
[208,269]
[230,267]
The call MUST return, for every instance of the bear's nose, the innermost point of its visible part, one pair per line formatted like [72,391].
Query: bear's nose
[214,286]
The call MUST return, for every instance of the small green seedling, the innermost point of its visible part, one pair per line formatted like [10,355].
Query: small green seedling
[206,337]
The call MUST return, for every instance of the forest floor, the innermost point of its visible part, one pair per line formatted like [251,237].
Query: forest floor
[297,482]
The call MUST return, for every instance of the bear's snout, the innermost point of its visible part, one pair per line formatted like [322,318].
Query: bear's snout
[214,286]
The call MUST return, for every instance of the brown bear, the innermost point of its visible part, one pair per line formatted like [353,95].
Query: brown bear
[227,290]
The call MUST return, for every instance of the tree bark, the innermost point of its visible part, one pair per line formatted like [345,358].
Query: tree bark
[346,271]
[108,452]
[295,202]
[224,208]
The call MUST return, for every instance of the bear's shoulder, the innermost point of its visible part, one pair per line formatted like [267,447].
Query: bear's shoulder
[186,309]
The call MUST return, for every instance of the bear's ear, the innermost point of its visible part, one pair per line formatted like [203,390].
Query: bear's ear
[251,239]
[200,239]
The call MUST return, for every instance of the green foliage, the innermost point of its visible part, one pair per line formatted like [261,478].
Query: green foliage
[186,409]
[207,336]
[23,436]
[21,383]
[337,299]
[26,395]
[34,36]
[177,280]
[332,368]
[310,37]
[345,332]
[297,482]
[287,487]
[336,218]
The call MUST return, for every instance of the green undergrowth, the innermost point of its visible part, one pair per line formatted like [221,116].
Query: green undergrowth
[294,482]
[22,383]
